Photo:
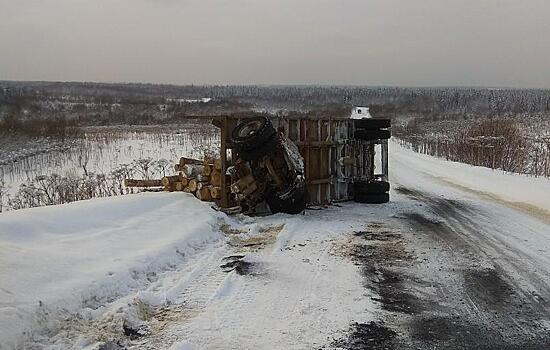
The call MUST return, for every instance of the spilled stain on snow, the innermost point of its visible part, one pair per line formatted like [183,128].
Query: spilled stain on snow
[265,236]
[363,336]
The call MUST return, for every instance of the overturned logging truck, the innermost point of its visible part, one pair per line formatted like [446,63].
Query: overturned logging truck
[290,162]
[284,164]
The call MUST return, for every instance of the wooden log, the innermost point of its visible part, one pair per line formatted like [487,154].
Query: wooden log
[186,189]
[202,184]
[216,178]
[242,169]
[242,184]
[218,164]
[170,188]
[192,170]
[192,185]
[179,186]
[185,160]
[183,179]
[208,160]
[203,178]
[215,192]
[168,180]
[206,170]
[204,194]
[142,183]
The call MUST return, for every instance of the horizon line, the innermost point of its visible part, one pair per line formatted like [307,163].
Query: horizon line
[321,85]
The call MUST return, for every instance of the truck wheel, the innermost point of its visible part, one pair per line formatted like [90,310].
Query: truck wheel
[291,201]
[374,187]
[372,124]
[252,133]
[372,198]
[372,135]
[267,148]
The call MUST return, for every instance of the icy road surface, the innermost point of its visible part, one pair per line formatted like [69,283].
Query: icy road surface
[459,259]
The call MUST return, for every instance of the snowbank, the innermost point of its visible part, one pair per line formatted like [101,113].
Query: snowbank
[83,254]
[521,191]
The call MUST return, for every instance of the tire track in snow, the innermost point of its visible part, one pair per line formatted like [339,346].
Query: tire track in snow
[492,303]
[206,287]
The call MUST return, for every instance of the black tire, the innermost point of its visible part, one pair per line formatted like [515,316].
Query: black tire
[374,187]
[252,133]
[267,148]
[372,124]
[372,135]
[292,201]
[372,198]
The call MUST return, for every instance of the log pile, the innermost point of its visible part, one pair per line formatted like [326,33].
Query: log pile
[201,178]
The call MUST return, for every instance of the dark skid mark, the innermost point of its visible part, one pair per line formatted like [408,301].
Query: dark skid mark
[487,287]
[392,294]
[492,312]
[375,261]
[381,246]
[406,191]
[368,336]
[441,206]
[422,220]
[440,231]
[447,332]
[366,255]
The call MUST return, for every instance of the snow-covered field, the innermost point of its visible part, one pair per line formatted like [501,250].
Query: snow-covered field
[459,259]
[102,150]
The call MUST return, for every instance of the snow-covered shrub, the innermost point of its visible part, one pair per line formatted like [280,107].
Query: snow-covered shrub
[56,189]
[494,143]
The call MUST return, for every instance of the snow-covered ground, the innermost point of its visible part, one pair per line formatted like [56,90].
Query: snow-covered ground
[55,261]
[522,191]
[481,239]
[511,211]
[453,261]
[83,274]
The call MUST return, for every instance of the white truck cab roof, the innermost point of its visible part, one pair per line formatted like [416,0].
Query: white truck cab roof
[360,113]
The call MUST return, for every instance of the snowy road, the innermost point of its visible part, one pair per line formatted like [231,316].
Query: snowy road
[482,272]
[450,263]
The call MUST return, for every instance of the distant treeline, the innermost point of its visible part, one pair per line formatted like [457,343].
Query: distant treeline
[384,101]
[57,126]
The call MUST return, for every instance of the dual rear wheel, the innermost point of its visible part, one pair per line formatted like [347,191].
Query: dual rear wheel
[374,192]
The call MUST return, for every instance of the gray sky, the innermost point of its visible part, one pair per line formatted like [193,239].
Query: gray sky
[359,42]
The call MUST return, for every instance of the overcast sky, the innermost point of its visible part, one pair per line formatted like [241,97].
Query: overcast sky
[357,42]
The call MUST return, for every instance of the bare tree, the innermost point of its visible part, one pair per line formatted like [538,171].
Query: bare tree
[3,192]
